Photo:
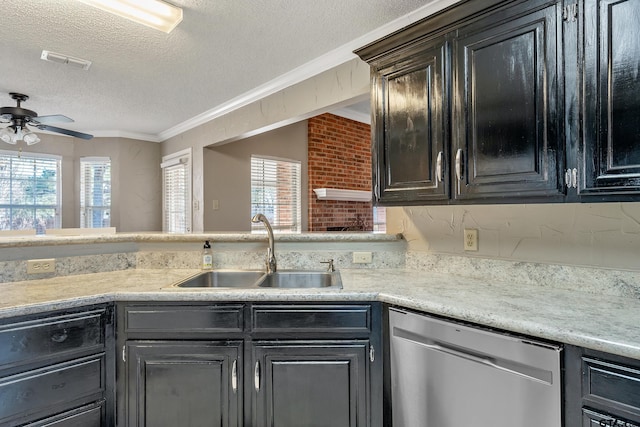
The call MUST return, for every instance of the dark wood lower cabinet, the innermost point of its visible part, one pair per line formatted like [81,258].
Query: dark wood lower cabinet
[173,383]
[266,365]
[57,368]
[601,389]
[312,384]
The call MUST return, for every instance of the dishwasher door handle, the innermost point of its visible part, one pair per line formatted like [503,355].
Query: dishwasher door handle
[534,374]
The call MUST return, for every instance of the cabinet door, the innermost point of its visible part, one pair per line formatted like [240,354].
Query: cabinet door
[173,383]
[409,130]
[310,384]
[611,152]
[506,105]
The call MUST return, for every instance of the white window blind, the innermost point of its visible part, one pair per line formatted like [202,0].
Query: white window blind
[275,192]
[176,192]
[95,192]
[379,219]
[29,191]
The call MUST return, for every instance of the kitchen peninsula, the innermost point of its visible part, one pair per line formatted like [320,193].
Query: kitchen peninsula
[596,309]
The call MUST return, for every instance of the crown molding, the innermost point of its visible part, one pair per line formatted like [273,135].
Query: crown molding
[131,135]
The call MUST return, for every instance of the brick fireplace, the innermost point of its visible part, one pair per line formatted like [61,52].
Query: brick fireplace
[339,156]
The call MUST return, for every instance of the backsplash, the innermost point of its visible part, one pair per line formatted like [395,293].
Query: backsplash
[601,235]
[15,271]
[622,283]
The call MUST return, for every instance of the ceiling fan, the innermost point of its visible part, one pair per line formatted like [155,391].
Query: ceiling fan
[19,118]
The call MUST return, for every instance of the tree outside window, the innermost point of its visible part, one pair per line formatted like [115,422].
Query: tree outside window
[29,191]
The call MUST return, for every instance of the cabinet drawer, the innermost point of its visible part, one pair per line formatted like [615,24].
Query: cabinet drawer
[31,341]
[183,318]
[86,416]
[595,419]
[334,319]
[51,389]
[614,385]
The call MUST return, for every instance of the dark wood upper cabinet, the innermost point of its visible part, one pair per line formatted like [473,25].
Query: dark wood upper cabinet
[506,112]
[410,100]
[522,101]
[610,156]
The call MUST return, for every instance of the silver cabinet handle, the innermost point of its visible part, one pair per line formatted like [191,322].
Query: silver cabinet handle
[234,376]
[439,176]
[459,164]
[256,376]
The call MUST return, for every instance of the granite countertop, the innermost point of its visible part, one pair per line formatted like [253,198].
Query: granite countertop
[217,237]
[600,322]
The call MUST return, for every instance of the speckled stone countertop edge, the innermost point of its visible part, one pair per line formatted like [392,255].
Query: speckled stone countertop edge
[605,323]
[53,240]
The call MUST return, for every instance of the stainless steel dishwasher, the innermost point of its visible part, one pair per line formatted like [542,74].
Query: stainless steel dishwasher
[445,374]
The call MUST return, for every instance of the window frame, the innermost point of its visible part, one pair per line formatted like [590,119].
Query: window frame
[295,226]
[57,207]
[83,206]
[180,160]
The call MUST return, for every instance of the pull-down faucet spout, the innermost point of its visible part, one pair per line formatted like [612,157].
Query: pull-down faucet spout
[270,260]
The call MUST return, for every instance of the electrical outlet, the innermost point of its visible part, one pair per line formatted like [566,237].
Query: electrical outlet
[470,239]
[362,257]
[38,266]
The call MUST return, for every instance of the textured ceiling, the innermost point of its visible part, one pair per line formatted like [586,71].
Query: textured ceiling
[143,81]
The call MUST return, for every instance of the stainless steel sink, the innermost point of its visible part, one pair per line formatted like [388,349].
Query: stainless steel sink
[301,279]
[223,279]
[247,279]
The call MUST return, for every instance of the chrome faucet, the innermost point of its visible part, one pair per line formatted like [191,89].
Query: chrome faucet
[270,260]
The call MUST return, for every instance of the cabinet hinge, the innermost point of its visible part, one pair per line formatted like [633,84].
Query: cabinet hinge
[124,353]
[372,354]
[571,178]
[570,12]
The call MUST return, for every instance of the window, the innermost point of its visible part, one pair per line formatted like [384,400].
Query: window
[29,191]
[95,192]
[176,192]
[275,192]
[379,219]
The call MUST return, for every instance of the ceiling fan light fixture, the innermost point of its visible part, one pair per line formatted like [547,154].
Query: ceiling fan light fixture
[8,135]
[152,13]
[30,138]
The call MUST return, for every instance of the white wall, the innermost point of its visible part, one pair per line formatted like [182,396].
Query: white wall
[227,175]
[136,178]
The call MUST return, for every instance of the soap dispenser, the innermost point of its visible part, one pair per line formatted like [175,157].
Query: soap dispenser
[207,257]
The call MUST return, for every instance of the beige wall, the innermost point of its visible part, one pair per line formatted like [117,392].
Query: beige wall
[227,175]
[590,234]
[333,88]
[135,169]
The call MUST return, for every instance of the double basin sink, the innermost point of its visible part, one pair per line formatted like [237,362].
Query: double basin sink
[248,279]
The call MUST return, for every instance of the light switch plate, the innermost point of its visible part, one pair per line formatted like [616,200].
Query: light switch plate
[39,266]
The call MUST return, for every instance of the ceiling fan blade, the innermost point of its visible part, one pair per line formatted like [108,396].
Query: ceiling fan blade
[64,131]
[54,118]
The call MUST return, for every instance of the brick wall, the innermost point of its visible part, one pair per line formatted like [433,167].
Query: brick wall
[339,154]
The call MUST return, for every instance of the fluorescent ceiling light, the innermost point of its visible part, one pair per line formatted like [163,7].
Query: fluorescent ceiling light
[152,13]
